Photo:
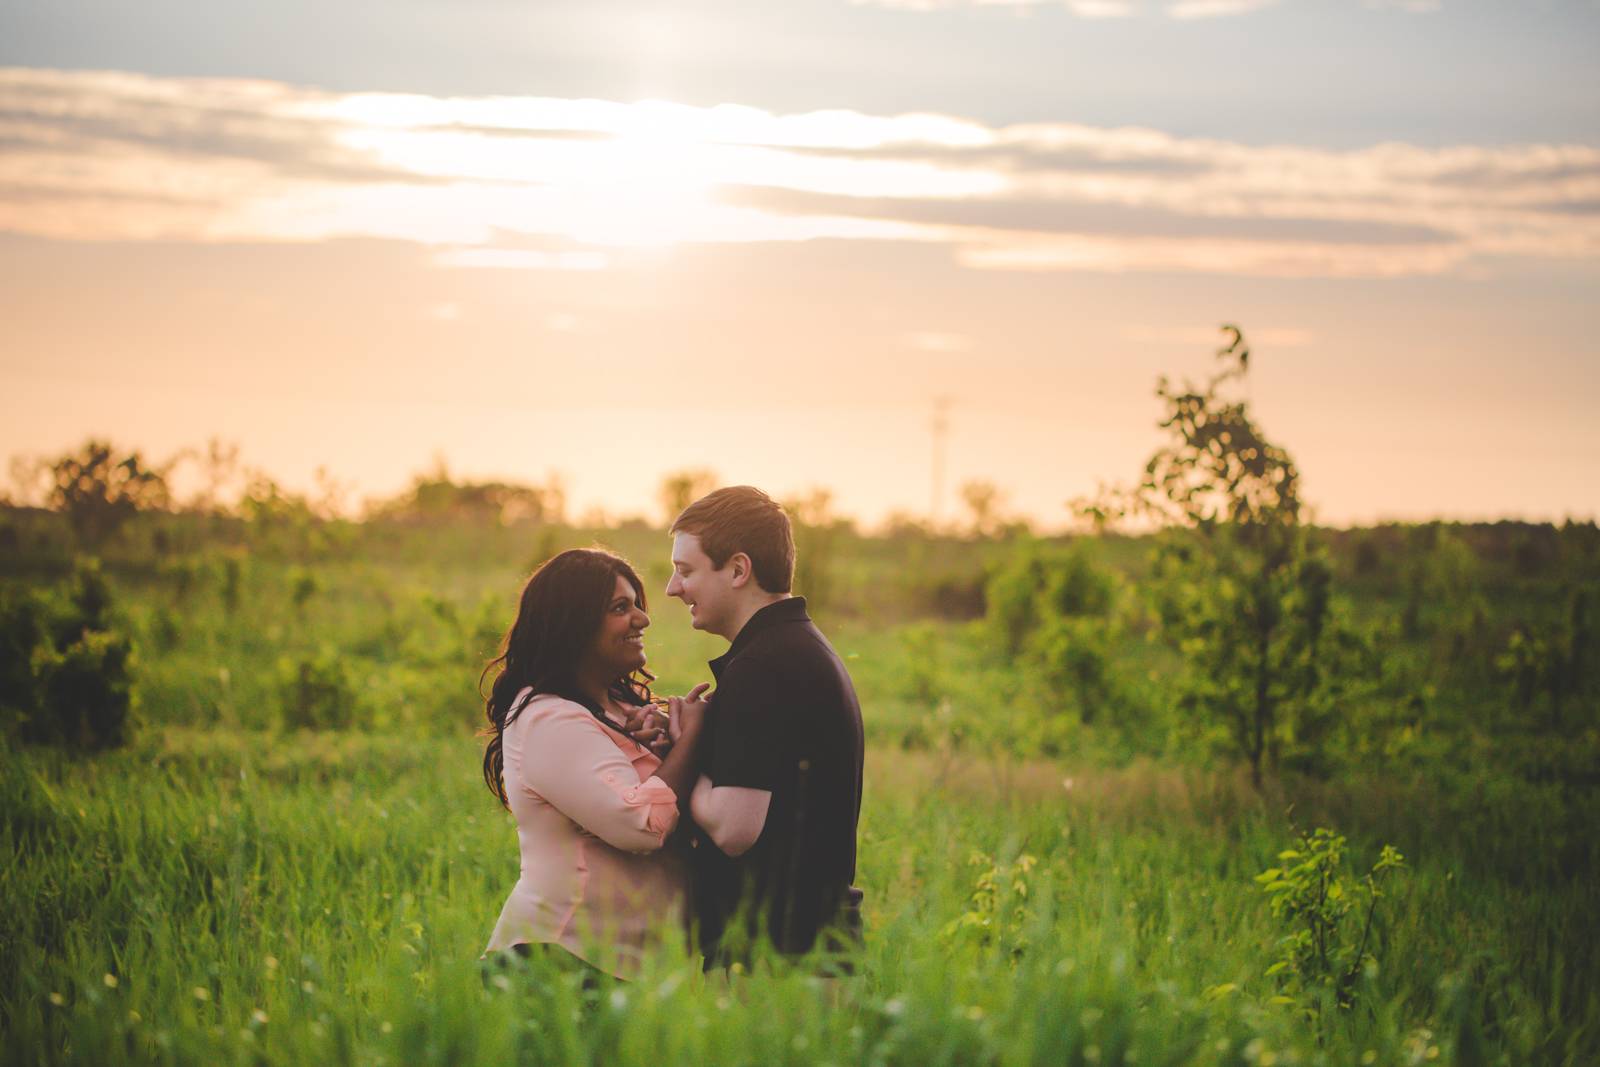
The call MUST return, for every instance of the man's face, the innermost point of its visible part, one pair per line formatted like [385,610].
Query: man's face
[707,591]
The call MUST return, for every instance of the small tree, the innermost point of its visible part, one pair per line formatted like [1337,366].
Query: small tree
[1246,597]
[98,492]
[1313,895]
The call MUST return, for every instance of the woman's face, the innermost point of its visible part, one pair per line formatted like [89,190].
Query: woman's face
[618,647]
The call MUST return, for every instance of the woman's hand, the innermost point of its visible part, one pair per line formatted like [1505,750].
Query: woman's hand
[647,725]
[686,715]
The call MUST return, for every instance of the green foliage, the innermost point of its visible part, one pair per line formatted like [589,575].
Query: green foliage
[184,576]
[437,497]
[1441,572]
[232,580]
[1243,592]
[997,915]
[1268,654]
[317,692]
[164,631]
[1075,658]
[328,894]
[67,671]
[1057,614]
[87,690]
[1038,582]
[1323,954]
[1553,665]
[23,628]
[98,491]
[303,586]
[1217,467]
[817,535]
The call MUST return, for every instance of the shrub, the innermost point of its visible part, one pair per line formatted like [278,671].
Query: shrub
[22,629]
[997,915]
[1322,953]
[316,692]
[1073,657]
[1038,582]
[88,692]
[67,673]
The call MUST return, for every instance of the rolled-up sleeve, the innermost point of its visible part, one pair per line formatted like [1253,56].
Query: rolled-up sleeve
[569,761]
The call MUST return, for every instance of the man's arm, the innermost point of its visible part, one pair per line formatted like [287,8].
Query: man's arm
[733,815]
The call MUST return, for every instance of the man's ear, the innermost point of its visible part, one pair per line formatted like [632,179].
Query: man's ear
[743,569]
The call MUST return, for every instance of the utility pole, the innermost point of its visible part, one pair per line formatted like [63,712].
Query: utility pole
[941,428]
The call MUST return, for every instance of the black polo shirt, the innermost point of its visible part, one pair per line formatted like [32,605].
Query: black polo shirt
[784,718]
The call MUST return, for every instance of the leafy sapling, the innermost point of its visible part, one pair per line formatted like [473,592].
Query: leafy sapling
[1323,952]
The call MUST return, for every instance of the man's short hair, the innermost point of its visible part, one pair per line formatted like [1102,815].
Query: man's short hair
[741,518]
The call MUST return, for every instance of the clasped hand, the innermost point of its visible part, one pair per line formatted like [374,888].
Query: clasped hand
[659,729]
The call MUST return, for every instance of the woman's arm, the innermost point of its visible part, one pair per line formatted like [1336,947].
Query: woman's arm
[567,759]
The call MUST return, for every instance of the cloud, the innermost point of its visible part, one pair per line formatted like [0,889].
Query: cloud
[1211,9]
[1181,10]
[556,184]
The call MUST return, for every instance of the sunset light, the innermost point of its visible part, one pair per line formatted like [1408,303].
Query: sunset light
[1067,247]
[743,532]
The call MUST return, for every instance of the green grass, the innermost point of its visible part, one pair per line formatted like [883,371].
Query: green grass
[265,898]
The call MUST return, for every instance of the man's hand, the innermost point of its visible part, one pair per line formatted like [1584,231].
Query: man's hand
[686,713]
[658,728]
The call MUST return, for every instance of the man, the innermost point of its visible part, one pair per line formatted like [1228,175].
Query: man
[776,806]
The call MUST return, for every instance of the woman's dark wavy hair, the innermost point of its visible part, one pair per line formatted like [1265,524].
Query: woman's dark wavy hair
[562,607]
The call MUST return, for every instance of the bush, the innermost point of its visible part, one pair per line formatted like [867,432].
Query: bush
[1323,953]
[22,629]
[1058,614]
[316,692]
[1073,656]
[88,692]
[1038,583]
[66,674]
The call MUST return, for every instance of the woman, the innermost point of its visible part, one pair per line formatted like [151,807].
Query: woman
[593,805]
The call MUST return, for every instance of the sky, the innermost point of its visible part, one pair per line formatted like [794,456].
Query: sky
[608,240]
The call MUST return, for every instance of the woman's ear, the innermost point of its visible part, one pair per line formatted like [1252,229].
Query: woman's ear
[742,569]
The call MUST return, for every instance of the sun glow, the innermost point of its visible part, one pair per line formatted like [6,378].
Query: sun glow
[530,180]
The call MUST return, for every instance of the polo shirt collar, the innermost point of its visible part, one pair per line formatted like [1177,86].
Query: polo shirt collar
[789,609]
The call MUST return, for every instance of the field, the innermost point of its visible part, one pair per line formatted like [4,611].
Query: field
[293,858]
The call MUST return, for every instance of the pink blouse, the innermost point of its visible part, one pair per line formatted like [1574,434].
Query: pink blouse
[591,820]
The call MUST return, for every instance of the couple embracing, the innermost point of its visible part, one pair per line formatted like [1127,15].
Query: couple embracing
[731,815]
